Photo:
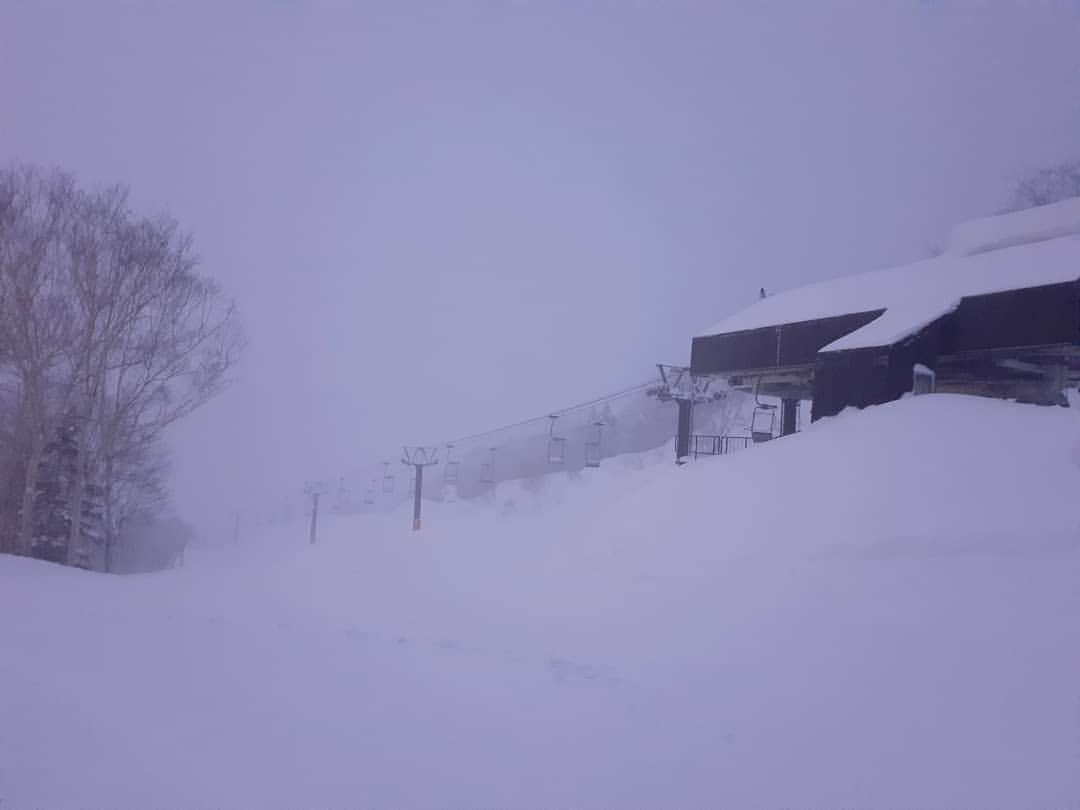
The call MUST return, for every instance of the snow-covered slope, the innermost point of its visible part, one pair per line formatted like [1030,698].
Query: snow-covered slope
[882,611]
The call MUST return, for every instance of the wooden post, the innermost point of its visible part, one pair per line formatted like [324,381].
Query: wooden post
[418,457]
[314,514]
[417,496]
[789,416]
[682,435]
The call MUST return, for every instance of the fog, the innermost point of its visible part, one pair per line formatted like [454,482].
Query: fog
[437,218]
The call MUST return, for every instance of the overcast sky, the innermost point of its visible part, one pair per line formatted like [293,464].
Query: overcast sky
[439,217]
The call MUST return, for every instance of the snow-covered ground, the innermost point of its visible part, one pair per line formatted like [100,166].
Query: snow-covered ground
[880,612]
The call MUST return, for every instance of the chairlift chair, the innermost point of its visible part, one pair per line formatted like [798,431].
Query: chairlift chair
[341,499]
[763,422]
[556,447]
[594,447]
[387,479]
[369,497]
[450,471]
[487,469]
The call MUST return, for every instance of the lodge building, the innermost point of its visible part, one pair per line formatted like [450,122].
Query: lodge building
[996,314]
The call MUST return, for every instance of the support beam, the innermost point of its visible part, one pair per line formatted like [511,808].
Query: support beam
[417,495]
[1024,367]
[314,517]
[316,490]
[418,457]
[789,416]
[682,435]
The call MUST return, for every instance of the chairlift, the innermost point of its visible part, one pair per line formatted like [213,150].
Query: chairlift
[450,471]
[387,479]
[369,497]
[556,448]
[763,422]
[487,469]
[594,447]
[341,501]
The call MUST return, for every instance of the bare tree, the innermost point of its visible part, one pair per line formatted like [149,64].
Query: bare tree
[105,325]
[35,327]
[136,489]
[179,340]
[1045,186]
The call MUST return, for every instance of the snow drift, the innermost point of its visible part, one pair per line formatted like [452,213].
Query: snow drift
[879,612]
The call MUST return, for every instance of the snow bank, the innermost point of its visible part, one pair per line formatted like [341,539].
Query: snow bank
[882,609]
[1026,249]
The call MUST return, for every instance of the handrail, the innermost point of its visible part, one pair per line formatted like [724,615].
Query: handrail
[703,444]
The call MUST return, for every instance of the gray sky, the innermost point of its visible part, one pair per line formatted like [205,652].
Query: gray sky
[438,217]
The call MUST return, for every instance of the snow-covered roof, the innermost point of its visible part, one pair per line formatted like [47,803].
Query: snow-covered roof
[1027,248]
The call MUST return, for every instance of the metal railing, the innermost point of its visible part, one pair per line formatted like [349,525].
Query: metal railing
[702,444]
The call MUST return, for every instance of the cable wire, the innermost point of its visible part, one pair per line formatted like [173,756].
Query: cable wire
[560,412]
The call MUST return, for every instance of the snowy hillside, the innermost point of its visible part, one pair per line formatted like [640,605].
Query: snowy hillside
[882,611]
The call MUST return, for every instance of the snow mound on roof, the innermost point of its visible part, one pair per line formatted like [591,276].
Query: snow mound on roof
[1015,228]
[1027,249]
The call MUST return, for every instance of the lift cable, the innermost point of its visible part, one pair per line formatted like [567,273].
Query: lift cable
[561,412]
[388,482]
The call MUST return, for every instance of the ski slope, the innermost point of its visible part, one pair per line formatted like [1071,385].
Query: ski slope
[880,612]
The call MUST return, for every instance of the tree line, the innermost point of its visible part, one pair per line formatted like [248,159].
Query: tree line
[1048,185]
[108,335]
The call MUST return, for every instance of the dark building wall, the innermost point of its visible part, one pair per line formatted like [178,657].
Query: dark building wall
[788,345]
[922,347]
[735,351]
[862,377]
[801,342]
[1035,316]
[859,377]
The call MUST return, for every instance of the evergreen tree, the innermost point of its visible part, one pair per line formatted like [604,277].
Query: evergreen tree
[52,499]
